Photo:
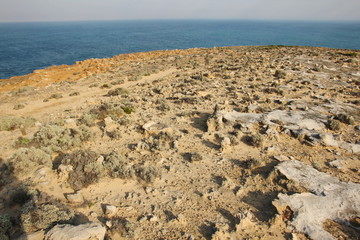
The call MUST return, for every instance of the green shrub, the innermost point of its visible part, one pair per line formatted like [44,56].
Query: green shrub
[22,142]
[128,110]
[26,160]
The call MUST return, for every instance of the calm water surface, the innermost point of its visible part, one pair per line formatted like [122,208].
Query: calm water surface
[25,47]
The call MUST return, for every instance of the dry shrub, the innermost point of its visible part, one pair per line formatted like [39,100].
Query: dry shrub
[87,119]
[5,226]
[105,110]
[333,125]
[118,92]
[254,140]
[87,168]
[59,138]
[43,213]
[122,228]
[10,123]
[27,160]
[347,119]
[148,174]
[118,167]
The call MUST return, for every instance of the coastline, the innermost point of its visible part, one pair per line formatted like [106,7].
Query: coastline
[83,69]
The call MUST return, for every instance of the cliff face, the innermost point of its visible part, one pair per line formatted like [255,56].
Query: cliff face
[221,143]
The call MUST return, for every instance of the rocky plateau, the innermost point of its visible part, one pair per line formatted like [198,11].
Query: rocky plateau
[223,143]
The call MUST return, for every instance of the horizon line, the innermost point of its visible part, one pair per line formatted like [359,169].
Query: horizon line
[190,19]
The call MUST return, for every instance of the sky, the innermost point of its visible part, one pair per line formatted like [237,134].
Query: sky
[79,10]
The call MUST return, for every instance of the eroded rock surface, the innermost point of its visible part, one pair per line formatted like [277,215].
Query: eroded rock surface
[328,198]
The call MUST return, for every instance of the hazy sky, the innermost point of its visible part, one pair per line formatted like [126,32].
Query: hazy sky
[69,10]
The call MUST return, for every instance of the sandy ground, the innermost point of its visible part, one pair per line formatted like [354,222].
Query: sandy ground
[218,178]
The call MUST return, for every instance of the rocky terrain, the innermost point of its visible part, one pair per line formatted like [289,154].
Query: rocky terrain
[221,143]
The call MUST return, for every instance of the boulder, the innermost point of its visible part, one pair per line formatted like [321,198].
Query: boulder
[93,231]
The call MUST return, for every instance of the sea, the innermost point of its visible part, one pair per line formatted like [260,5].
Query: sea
[25,47]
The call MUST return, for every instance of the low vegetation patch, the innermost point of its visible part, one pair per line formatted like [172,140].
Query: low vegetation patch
[10,123]
[118,92]
[347,119]
[27,160]
[41,213]
[88,167]
[59,138]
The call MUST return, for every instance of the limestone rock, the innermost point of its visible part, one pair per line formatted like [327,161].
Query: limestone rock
[152,128]
[75,197]
[328,199]
[93,231]
[110,210]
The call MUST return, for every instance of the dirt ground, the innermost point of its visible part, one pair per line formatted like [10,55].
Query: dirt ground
[197,133]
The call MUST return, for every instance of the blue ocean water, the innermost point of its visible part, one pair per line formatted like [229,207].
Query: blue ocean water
[25,47]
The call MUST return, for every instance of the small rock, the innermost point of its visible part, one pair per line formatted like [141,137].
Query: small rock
[108,224]
[151,128]
[195,157]
[153,218]
[338,163]
[69,121]
[252,108]
[94,214]
[64,170]
[281,158]
[100,160]
[225,143]
[271,149]
[42,171]
[149,190]
[38,124]
[181,218]
[75,197]
[111,210]
[86,231]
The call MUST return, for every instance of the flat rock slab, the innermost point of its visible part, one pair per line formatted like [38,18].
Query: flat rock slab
[93,231]
[328,198]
